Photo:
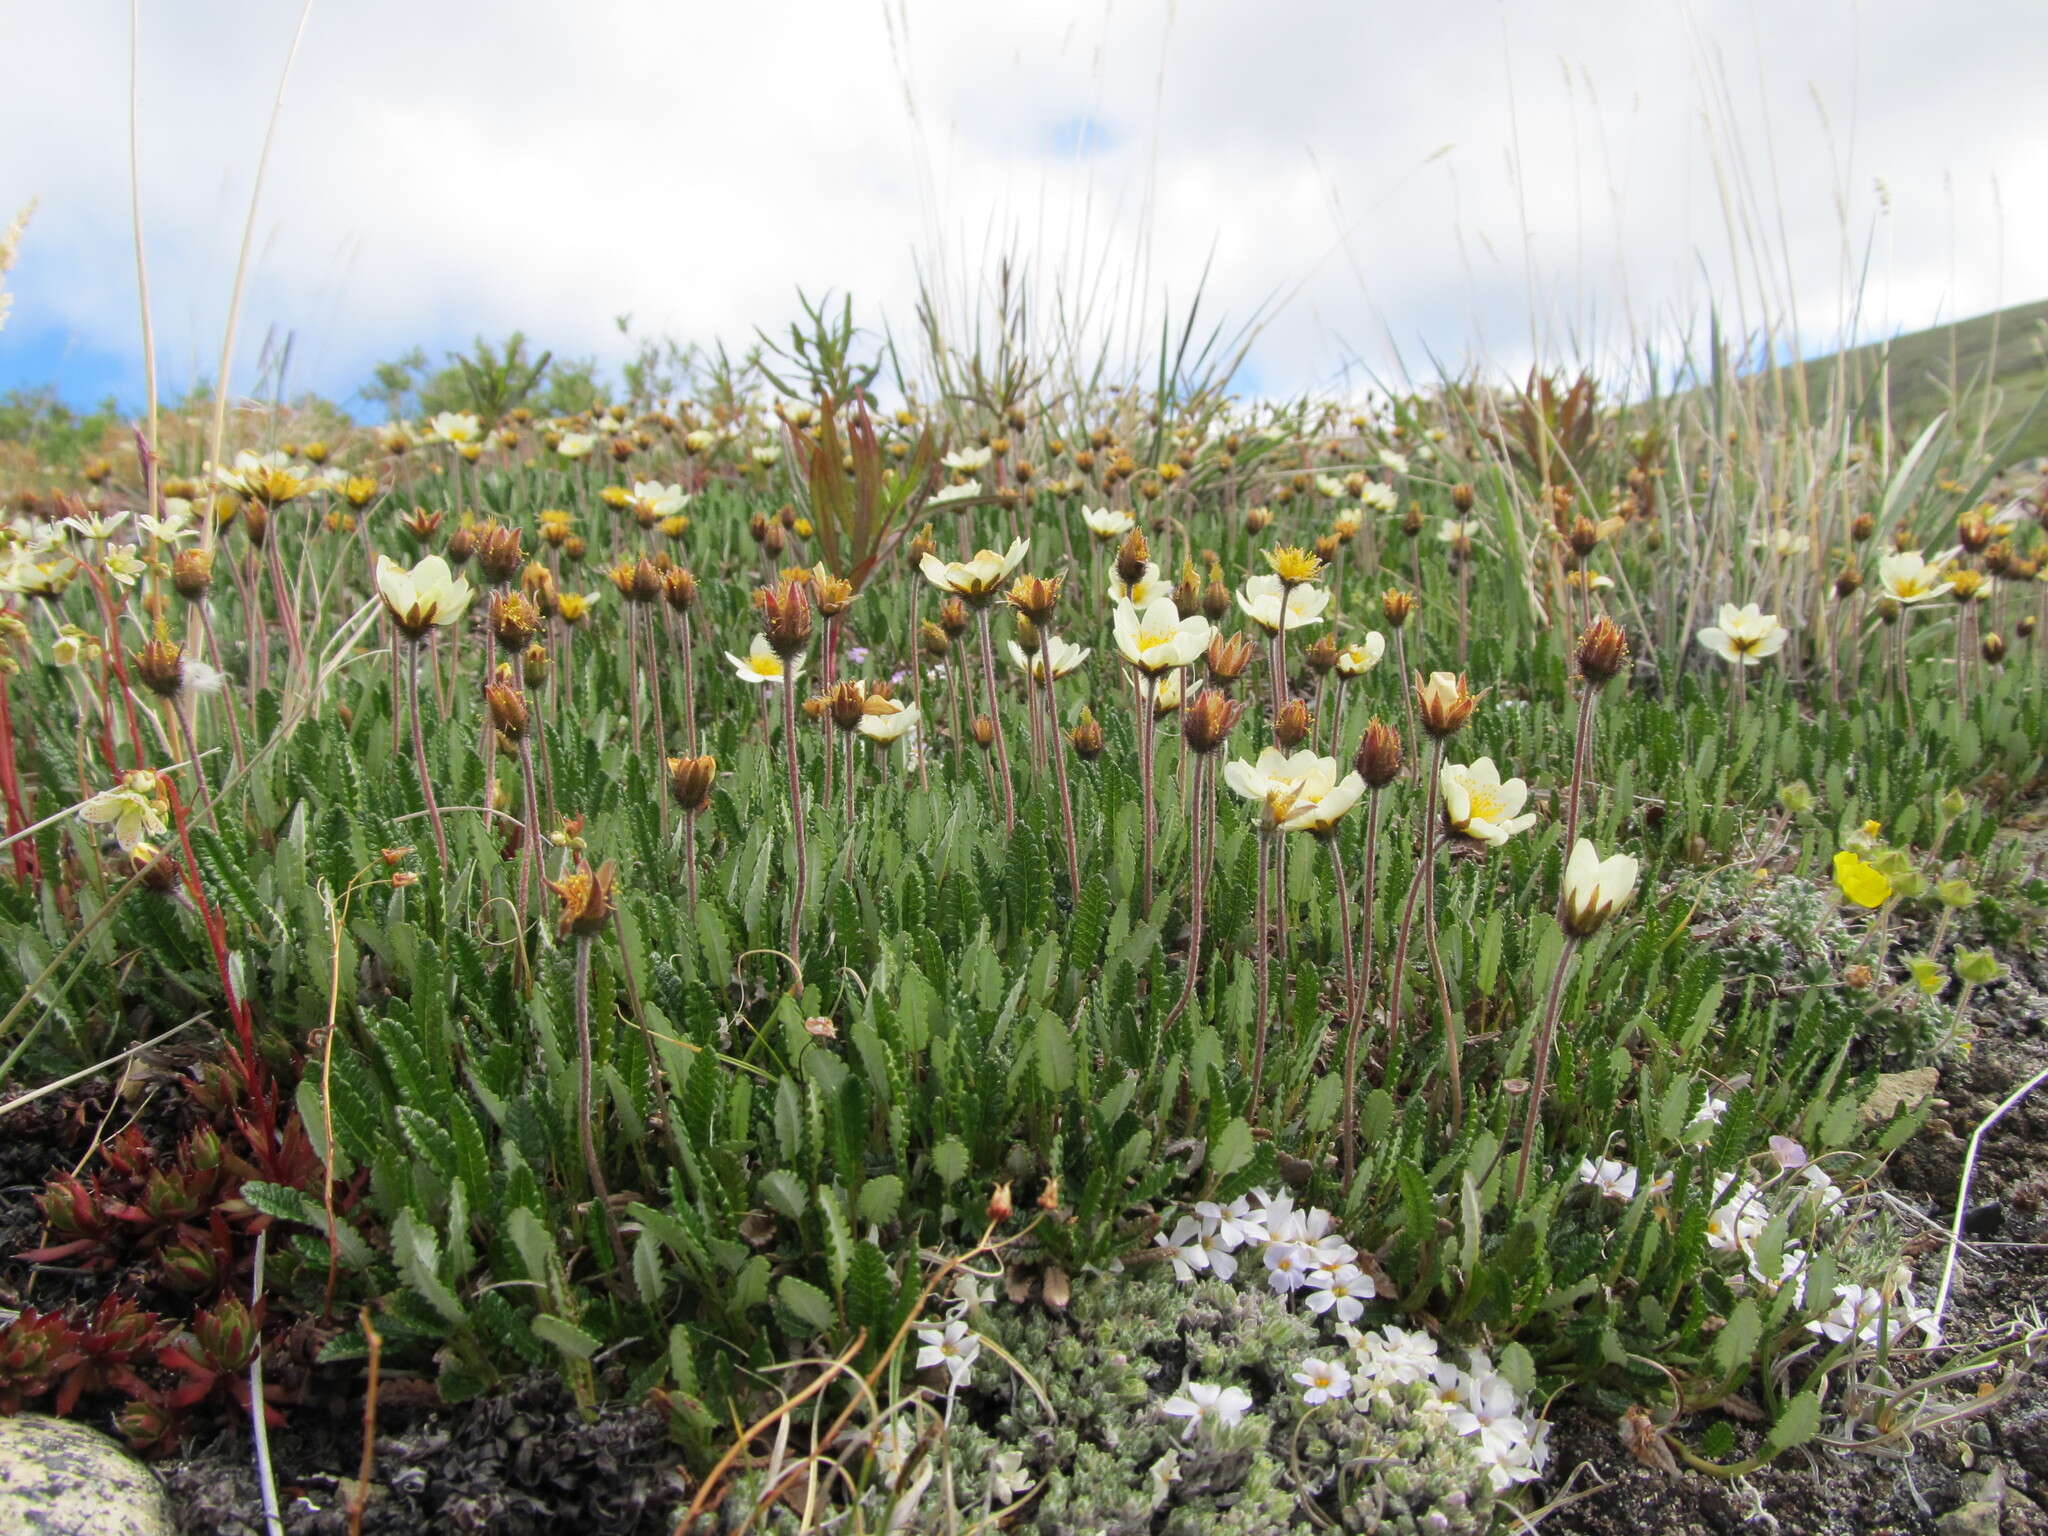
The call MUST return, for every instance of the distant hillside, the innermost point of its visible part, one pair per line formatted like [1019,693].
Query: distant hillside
[1930,368]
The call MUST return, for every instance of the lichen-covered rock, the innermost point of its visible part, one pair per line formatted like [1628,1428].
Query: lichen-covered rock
[60,1478]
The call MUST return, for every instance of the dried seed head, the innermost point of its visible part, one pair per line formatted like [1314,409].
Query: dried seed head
[1326,547]
[422,524]
[514,621]
[498,552]
[1462,498]
[1378,759]
[506,704]
[922,543]
[586,899]
[679,586]
[690,780]
[1257,519]
[1215,596]
[161,666]
[538,583]
[953,617]
[1132,556]
[1321,654]
[1397,606]
[1974,532]
[1292,725]
[1847,581]
[192,573]
[984,732]
[1034,597]
[1862,527]
[1187,592]
[846,703]
[935,640]
[834,594]
[1603,651]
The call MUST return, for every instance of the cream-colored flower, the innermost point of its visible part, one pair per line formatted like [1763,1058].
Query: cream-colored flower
[766,454]
[966,490]
[1141,593]
[124,565]
[575,445]
[429,595]
[96,527]
[886,720]
[1453,529]
[1908,576]
[1259,597]
[699,441]
[1782,542]
[1380,498]
[656,500]
[1157,639]
[1361,656]
[133,811]
[1166,694]
[762,665]
[966,460]
[456,427]
[1066,658]
[1745,635]
[1479,805]
[1595,888]
[1300,793]
[977,579]
[1107,523]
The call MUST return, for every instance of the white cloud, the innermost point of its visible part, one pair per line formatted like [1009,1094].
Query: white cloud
[452,168]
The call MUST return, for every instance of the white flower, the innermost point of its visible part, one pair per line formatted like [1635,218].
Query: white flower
[1287,1266]
[1615,1180]
[764,454]
[1341,1293]
[1709,1115]
[976,579]
[424,597]
[1360,657]
[1107,523]
[1234,1224]
[1739,1216]
[1204,1402]
[1791,1268]
[954,1346]
[1478,804]
[1007,1479]
[1380,498]
[1323,1381]
[1782,541]
[1822,1190]
[893,1446]
[1158,639]
[1393,1356]
[96,527]
[966,490]
[1189,1254]
[125,566]
[1745,635]
[1300,793]
[1143,592]
[966,460]
[1452,529]
[1908,576]
[1259,598]
[886,720]
[658,500]
[1490,1410]
[1066,657]
[455,427]
[1867,1315]
[1394,461]
[1595,888]
[133,811]
[761,664]
[575,445]
[174,525]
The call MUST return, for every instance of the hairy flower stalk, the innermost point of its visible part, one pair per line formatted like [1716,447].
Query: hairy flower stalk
[1593,890]
[1206,723]
[995,715]
[426,598]
[1398,607]
[1602,653]
[690,781]
[586,897]
[1378,763]
[786,613]
[1035,599]
[976,582]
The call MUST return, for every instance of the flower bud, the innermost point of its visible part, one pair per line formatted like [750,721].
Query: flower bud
[1847,581]
[690,780]
[1087,737]
[935,640]
[953,617]
[1397,606]
[1993,646]
[1378,759]
[1462,498]
[1321,654]
[1209,718]
[1000,1205]
[1292,725]
[513,621]
[1215,597]
[498,552]
[680,588]
[533,665]
[1257,519]
[984,732]
[1445,703]
[586,899]
[785,615]
[1034,597]
[834,594]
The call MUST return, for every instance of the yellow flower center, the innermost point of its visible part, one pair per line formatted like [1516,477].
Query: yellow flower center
[1486,805]
[765,666]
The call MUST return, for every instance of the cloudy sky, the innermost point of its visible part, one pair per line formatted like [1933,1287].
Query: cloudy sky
[1383,187]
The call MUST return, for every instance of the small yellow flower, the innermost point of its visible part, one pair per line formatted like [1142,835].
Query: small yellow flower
[1861,882]
[1294,566]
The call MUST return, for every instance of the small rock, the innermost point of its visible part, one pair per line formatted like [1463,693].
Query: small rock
[1979,1517]
[59,1478]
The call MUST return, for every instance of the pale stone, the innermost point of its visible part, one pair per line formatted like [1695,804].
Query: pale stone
[59,1478]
